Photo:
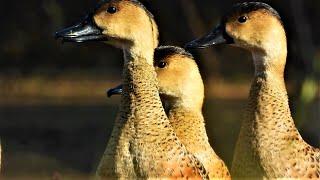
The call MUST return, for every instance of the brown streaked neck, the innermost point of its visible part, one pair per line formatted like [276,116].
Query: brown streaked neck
[268,101]
[188,122]
[140,84]
[138,67]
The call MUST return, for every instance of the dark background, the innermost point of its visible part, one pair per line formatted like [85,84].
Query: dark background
[54,117]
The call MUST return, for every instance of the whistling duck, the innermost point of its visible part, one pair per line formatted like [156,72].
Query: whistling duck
[269,144]
[182,92]
[143,143]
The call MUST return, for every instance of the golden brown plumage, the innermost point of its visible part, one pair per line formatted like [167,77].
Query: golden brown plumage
[143,143]
[269,144]
[182,93]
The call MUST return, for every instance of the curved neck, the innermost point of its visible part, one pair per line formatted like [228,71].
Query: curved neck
[140,83]
[265,63]
[268,84]
[272,56]
[194,113]
[143,45]
[268,108]
[190,128]
[143,51]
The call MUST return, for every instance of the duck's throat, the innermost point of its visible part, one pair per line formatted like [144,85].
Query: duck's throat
[144,116]
[189,126]
[268,115]
[140,90]
[139,112]
[270,60]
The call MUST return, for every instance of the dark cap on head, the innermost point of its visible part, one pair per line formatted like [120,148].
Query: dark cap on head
[165,51]
[136,2]
[246,7]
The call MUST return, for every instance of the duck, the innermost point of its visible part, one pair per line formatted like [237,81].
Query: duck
[143,144]
[181,91]
[269,145]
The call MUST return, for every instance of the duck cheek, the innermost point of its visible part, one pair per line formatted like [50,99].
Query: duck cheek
[98,20]
[232,30]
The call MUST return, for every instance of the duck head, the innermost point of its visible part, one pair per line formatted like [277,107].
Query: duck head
[179,78]
[180,82]
[122,23]
[255,26]
[252,25]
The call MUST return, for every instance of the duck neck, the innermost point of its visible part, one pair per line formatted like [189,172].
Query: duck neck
[267,64]
[140,99]
[192,103]
[268,110]
[271,58]
[136,54]
[188,123]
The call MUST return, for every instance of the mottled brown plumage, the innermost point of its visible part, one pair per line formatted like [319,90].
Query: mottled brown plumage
[143,143]
[269,144]
[182,93]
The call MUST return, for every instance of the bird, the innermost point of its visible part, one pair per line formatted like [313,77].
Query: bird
[181,91]
[143,144]
[269,145]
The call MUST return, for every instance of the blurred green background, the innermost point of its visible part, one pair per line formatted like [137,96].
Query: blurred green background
[55,119]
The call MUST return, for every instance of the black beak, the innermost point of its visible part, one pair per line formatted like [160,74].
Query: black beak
[115,91]
[85,30]
[215,37]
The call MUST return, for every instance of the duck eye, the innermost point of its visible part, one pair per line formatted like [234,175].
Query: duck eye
[162,65]
[112,10]
[242,19]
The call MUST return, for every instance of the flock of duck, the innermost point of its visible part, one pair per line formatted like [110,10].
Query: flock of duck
[160,130]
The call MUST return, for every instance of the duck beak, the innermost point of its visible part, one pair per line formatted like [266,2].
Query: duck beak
[115,91]
[85,30]
[215,37]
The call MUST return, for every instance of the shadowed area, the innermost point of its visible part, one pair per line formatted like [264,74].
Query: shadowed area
[41,140]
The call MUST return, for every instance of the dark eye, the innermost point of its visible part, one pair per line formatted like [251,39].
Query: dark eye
[242,19]
[112,10]
[162,64]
